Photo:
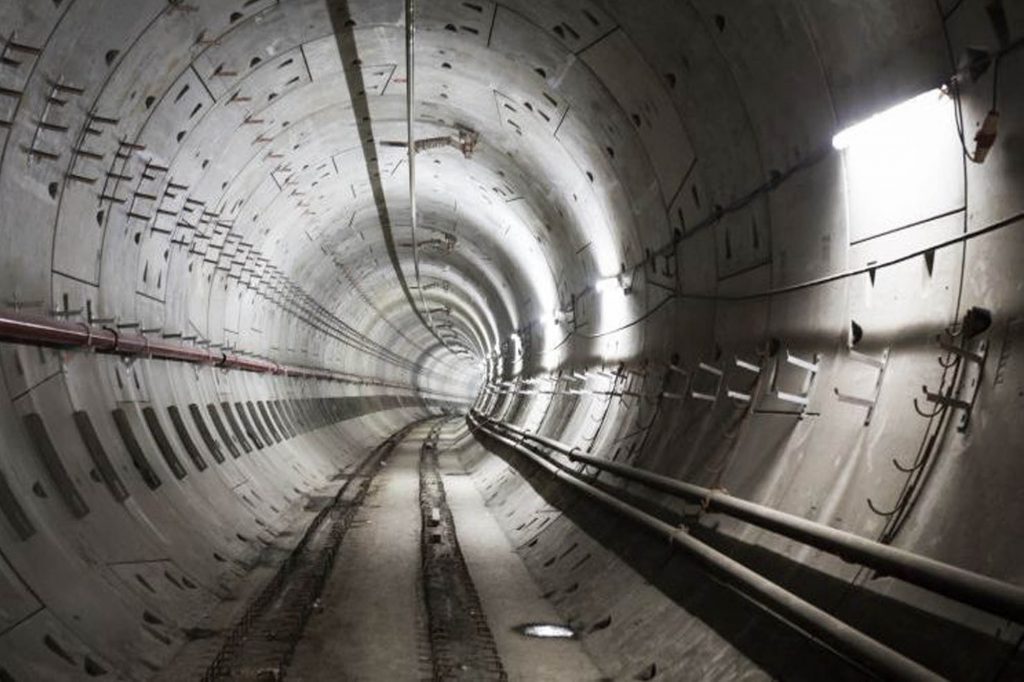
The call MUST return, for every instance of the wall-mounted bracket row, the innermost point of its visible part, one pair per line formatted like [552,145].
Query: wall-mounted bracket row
[968,365]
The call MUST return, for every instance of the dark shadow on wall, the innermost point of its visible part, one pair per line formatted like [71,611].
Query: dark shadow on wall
[948,647]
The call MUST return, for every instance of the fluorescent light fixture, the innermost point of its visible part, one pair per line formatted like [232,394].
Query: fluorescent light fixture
[902,165]
[889,126]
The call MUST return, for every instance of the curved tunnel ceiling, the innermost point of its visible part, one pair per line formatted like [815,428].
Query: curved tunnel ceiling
[632,233]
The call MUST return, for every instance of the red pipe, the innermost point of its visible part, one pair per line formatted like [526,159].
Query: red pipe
[17,327]
[36,330]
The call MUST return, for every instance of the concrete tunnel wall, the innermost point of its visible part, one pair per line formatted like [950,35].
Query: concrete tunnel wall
[220,173]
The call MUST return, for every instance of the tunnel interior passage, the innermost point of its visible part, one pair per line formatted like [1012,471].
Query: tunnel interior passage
[692,331]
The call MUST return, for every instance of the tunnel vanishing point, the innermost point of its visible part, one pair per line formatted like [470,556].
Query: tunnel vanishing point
[511,340]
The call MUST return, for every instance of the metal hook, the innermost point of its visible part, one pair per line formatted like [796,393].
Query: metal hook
[954,330]
[654,417]
[905,469]
[938,410]
[894,511]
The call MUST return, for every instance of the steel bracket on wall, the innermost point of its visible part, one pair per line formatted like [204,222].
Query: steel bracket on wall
[739,396]
[968,365]
[879,363]
[801,398]
[673,368]
[709,396]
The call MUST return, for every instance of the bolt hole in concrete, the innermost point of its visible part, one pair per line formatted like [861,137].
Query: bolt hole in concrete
[648,673]
[57,649]
[151,619]
[602,624]
[93,669]
[545,631]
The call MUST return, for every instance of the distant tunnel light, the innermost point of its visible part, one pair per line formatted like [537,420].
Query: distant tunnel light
[549,323]
[606,284]
[546,631]
[917,116]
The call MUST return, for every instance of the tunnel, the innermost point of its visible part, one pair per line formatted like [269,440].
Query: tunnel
[511,340]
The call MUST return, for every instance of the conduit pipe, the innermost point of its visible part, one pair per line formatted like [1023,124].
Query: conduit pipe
[967,587]
[17,327]
[845,640]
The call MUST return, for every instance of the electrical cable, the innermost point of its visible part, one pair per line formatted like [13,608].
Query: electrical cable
[633,323]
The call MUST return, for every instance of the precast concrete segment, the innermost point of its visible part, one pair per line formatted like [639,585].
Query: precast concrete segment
[462,646]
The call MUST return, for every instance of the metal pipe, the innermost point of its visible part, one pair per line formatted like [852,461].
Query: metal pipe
[17,327]
[410,113]
[422,311]
[845,640]
[967,587]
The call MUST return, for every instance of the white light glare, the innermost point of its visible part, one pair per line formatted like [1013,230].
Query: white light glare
[606,284]
[889,126]
[549,323]
[547,630]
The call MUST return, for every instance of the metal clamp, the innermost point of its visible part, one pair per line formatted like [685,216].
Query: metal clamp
[750,367]
[715,372]
[971,366]
[880,364]
[802,399]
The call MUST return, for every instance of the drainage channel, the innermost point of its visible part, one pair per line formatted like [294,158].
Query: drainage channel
[261,644]
[462,646]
